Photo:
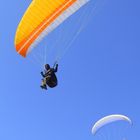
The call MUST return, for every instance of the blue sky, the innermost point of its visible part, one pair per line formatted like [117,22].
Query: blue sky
[99,75]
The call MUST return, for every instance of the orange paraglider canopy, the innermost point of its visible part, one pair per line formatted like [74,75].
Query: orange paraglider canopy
[40,19]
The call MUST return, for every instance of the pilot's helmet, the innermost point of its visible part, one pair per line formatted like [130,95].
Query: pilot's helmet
[47,66]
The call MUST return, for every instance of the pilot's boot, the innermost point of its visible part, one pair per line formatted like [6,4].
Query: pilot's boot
[43,87]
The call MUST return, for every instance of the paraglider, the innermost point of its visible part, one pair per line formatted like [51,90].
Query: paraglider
[40,19]
[107,120]
[49,77]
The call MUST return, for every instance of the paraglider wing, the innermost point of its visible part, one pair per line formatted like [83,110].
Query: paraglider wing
[41,18]
[109,119]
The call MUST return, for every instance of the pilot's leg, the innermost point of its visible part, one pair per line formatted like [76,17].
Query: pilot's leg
[47,78]
[43,84]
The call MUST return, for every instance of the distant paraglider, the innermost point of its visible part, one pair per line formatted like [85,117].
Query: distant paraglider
[109,119]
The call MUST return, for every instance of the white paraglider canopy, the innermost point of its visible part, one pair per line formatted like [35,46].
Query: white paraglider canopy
[109,119]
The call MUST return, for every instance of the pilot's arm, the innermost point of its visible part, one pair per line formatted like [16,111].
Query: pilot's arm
[56,68]
[42,74]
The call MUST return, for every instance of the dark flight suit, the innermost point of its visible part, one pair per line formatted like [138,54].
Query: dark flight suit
[49,78]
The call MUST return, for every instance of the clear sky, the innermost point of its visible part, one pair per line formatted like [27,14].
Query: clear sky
[99,75]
